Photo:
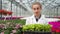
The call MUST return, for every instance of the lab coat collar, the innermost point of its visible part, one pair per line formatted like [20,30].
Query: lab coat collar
[42,16]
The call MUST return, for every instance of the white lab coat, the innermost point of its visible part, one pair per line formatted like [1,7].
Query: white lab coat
[32,20]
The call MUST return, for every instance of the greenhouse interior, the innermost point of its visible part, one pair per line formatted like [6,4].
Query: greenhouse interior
[16,17]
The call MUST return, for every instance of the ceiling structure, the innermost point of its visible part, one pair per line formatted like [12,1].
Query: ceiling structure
[50,7]
[47,4]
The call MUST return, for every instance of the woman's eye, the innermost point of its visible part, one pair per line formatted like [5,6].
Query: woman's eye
[37,8]
[34,8]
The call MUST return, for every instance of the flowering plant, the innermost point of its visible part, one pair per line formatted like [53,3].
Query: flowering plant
[55,26]
[11,26]
[5,12]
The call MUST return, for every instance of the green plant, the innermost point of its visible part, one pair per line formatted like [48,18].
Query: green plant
[19,21]
[47,28]
[9,26]
[37,27]
[28,27]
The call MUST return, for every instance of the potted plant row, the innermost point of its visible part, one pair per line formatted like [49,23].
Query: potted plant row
[36,29]
[55,27]
[11,26]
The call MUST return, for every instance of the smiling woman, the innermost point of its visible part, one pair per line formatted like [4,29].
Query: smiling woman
[37,17]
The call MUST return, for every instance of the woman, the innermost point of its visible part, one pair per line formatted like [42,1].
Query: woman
[37,18]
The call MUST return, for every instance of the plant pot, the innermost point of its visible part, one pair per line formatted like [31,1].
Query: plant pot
[36,32]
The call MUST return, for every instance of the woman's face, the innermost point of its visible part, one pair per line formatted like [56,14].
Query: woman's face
[36,9]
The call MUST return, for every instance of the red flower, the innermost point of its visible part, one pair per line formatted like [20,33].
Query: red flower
[9,13]
[53,29]
[56,26]
[1,11]
[57,30]
[5,12]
